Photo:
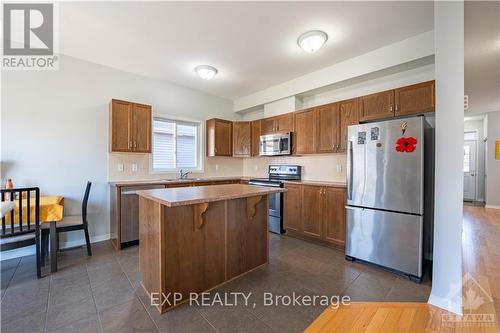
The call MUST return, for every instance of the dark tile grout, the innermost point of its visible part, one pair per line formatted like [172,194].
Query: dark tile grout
[357,271]
[93,300]
[137,296]
[8,284]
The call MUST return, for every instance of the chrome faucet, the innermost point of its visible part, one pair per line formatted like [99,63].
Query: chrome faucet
[183,175]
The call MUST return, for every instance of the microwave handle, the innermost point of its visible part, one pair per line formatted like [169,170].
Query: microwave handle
[281,144]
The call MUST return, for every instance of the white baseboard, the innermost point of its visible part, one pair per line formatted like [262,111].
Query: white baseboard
[30,250]
[492,206]
[81,241]
[445,304]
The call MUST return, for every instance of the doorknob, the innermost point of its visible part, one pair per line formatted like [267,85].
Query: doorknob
[472,174]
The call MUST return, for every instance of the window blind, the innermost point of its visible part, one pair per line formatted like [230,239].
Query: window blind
[175,144]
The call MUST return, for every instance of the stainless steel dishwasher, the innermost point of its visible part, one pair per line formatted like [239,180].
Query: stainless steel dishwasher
[129,202]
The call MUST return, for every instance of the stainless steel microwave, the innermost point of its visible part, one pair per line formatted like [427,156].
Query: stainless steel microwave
[275,144]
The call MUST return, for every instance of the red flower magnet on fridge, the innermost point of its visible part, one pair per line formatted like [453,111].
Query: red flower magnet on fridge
[406,144]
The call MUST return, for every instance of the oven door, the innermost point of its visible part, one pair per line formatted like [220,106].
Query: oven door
[275,205]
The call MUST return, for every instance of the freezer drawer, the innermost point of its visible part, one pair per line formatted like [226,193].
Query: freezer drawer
[393,240]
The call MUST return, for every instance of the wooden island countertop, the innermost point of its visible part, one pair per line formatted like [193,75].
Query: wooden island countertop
[193,239]
[182,196]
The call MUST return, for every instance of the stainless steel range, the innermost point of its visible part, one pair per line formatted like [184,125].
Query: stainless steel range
[277,175]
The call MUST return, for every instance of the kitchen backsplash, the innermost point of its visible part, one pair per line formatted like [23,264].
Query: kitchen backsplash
[214,167]
[321,167]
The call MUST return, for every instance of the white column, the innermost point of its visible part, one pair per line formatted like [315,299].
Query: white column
[447,260]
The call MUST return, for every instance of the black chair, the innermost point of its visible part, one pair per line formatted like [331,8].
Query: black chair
[16,234]
[70,224]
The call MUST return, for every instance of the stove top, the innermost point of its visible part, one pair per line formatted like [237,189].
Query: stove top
[277,174]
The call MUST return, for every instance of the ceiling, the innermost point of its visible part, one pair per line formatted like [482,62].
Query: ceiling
[253,44]
[482,55]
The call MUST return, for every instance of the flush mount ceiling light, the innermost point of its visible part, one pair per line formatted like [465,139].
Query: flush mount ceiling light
[312,41]
[206,72]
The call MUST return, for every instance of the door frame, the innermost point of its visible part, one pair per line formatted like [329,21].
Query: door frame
[476,161]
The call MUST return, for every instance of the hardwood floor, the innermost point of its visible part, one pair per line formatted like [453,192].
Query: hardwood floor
[481,292]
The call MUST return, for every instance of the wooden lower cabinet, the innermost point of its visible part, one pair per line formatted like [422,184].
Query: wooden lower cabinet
[312,210]
[334,216]
[316,213]
[292,218]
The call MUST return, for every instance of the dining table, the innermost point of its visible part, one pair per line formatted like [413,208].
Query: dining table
[51,212]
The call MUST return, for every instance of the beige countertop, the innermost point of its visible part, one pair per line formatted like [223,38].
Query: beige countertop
[316,183]
[171,181]
[215,179]
[171,197]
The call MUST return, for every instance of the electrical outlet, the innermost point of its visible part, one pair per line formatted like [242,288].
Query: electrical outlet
[134,167]
[216,167]
[119,167]
[255,168]
[339,168]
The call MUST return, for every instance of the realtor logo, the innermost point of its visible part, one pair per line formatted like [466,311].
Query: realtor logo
[28,36]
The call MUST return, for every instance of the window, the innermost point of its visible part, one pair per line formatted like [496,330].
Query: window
[175,145]
[466,158]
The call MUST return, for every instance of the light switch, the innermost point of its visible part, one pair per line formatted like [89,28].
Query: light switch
[339,168]
[134,167]
[119,167]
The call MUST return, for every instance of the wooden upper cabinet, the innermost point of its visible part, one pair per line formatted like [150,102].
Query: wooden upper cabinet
[418,98]
[377,106]
[255,136]
[334,220]
[305,132]
[284,123]
[292,218]
[241,138]
[348,115]
[130,127]
[327,127]
[268,125]
[219,137]
[312,210]
[141,124]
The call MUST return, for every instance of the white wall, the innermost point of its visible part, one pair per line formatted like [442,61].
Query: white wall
[54,128]
[369,86]
[410,49]
[492,164]
[285,105]
[478,125]
[447,255]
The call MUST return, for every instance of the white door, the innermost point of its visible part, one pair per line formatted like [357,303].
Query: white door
[470,170]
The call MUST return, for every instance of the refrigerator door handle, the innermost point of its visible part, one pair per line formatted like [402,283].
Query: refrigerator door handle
[349,171]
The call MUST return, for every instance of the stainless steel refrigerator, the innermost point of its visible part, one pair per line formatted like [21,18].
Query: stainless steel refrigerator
[386,193]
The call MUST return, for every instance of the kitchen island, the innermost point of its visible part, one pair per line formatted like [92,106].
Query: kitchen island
[193,239]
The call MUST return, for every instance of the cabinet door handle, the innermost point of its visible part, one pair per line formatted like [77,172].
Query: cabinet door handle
[129,144]
[390,108]
[397,107]
[135,144]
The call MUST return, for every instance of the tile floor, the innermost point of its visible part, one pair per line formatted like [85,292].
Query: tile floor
[102,293]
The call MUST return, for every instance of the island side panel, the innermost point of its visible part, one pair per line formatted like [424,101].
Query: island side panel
[194,256]
[150,245]
[247,237]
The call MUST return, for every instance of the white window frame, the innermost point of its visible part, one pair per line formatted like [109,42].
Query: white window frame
[200,134]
